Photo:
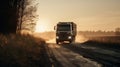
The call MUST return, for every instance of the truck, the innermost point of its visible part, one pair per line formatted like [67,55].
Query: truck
[65,31]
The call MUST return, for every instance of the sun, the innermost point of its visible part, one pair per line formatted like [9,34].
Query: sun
[42,26]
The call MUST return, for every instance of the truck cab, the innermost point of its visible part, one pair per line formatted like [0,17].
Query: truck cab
[65,31]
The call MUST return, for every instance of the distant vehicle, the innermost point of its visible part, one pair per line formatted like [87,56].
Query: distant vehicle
[65,31]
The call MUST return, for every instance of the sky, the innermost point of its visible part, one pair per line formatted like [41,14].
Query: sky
[87,14]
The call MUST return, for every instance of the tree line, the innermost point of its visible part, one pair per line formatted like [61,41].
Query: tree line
[101,32]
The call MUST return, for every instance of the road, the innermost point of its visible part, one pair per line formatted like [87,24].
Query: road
[82,55]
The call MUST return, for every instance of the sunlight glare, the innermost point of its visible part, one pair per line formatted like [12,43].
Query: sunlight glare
[42,26]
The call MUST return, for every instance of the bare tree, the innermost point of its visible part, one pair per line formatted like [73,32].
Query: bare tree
[9,15]
[29,17]
[117,31]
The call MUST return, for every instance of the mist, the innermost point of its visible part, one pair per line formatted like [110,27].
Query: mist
[50,37]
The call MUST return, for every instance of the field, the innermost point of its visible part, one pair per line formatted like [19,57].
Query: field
[22,51]
[109,39]
[109,42]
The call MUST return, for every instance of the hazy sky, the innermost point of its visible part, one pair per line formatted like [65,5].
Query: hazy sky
[87,14]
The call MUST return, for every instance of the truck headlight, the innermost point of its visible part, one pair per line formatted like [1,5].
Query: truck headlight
[69,37]
[57,37]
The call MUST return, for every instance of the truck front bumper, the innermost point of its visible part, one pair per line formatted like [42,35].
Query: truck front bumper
[68,38]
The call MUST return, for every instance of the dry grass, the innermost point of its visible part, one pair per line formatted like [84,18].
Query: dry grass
[107,39]
[21,51]
[109,42]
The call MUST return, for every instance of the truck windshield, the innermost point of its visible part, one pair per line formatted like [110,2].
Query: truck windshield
[63,28]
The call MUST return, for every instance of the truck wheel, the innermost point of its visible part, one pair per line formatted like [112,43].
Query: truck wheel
[70,42]
[57,42]
[73,40]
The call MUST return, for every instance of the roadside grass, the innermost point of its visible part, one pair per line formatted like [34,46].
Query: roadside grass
[104,43]
[22,51]
[106,39]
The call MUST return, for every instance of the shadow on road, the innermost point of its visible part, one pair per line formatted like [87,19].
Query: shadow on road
[99,52]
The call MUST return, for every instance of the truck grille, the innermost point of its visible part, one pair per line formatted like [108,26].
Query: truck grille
[63,35]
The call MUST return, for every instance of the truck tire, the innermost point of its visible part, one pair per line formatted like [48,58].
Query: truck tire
[73,41]
[70,42]
[57,42]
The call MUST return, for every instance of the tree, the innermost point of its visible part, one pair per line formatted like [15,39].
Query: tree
[117,31]
[29,17]
[9,15]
